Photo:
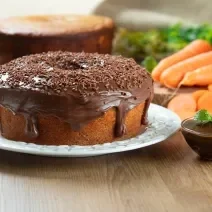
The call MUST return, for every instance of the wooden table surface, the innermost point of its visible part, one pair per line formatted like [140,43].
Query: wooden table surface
[164,177]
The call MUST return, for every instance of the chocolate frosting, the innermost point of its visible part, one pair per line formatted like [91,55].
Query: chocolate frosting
[74,87]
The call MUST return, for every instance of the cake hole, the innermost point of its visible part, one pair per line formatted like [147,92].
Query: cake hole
[71,65]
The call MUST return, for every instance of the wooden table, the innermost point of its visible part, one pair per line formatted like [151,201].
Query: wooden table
[163,177]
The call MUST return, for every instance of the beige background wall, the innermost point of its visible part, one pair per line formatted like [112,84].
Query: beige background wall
[19,7]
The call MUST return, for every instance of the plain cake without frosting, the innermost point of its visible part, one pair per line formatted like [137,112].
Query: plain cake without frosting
[26,35]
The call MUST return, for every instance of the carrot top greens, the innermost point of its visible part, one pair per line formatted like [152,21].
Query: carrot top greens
[158,43]
[203,116]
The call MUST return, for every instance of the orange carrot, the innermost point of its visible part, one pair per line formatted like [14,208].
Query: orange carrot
[201,76]
[210,87]
[182,102]
[197,94]
[194,48]
[184,114]
[172,76]
[205,102]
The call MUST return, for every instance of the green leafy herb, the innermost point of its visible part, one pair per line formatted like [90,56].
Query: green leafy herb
[158,43]
[149,63]
[203,116]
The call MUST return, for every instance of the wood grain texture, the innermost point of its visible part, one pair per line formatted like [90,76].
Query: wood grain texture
[163,177]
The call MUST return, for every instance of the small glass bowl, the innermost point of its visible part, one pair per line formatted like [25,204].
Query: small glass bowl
[201,143]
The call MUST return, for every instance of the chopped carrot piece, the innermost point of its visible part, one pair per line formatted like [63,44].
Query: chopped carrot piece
[197,94]
[171,77]
[201,76]
[182,102]
[205,102]
[210,87]
[194,48]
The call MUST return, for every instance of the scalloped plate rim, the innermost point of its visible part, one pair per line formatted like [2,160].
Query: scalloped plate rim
[107,148]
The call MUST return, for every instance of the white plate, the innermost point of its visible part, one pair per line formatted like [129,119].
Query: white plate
[162,124]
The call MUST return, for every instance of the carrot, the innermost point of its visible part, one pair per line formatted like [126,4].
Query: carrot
[182,102]
[194,48]
[201,76]
[197,94]
[205,102]
[172,76]
[210,87]
[184,114]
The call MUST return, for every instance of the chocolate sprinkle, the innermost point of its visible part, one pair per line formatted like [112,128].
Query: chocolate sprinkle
[61,72]
[74,87]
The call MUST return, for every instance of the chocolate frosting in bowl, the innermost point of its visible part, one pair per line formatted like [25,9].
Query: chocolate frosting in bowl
[74,87]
